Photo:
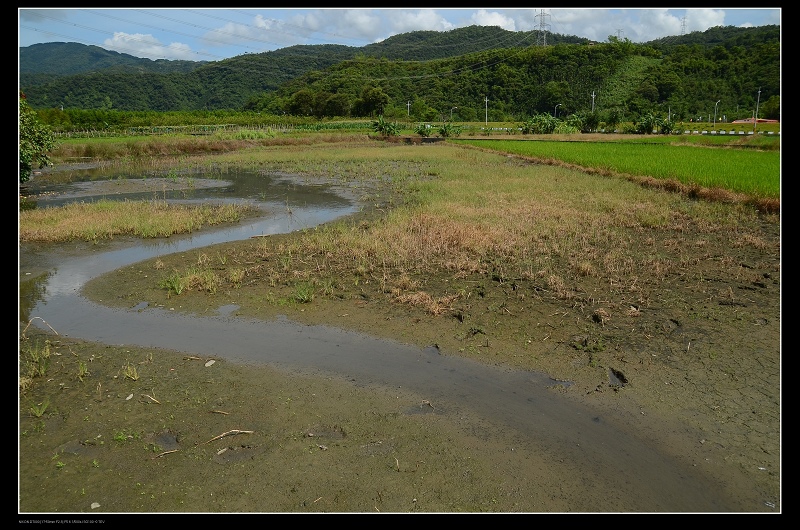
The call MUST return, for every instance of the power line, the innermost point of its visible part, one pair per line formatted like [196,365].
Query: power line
[544,27]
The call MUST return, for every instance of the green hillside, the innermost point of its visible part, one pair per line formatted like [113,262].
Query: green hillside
[426,75]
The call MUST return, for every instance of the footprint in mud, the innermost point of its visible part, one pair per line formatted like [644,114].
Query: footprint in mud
[80,448]
[330,433]
[166,441]
[616,378]
[235,453]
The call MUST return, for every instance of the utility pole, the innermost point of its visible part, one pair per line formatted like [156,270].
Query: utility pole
[755,116]
[541,38]
[409,108]
[486,101]
[592,101]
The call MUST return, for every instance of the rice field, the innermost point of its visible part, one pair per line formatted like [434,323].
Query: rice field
[753,172]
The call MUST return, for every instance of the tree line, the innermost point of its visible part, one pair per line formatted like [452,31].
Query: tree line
[729,71]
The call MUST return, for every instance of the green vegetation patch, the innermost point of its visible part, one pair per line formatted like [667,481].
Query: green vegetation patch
[752,172]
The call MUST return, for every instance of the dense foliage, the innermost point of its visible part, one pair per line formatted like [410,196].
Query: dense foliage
[35,140]
[478,72]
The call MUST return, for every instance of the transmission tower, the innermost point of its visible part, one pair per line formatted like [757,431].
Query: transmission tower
[683,26]
[544,27]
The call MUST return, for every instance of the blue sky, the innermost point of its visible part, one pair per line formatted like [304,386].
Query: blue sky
[203,34]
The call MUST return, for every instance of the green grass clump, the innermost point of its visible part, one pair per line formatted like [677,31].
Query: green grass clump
[749,171]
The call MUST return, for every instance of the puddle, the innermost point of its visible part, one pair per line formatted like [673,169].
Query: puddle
[271,191]
[227,310]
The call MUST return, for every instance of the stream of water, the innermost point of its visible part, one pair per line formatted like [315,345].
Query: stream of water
[613,462]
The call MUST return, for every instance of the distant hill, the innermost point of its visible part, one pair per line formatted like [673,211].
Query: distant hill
[49,72]
[70,58]
[445,69]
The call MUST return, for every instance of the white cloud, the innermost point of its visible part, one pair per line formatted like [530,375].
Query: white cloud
[653,24]
[228,34]
[404,21]
[147,46]
[485,18]
[278,32]
[308,23]
[594,24]
[702,19]
[358,22]
[337,25]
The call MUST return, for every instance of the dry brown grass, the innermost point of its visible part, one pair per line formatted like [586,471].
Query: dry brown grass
[123,149]
[485,215]
[107,219]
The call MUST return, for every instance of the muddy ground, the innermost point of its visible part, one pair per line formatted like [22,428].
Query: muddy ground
[695,368]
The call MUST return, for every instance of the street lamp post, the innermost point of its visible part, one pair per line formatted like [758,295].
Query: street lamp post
[555,111]
[755,114]
[715,112]
[451,113]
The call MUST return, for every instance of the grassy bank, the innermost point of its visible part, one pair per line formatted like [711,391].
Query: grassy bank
[106,219]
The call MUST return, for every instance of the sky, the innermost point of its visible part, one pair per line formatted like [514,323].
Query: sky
[214,34]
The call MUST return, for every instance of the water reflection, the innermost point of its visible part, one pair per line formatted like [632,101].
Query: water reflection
[267,189]
[31,292]
[289,204]
[520,406]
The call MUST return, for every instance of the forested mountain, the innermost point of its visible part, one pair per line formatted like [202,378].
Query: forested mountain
[429,45]
[70,58]
[52,75]
[427,74]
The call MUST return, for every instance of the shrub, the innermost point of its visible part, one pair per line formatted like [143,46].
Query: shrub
[386,128]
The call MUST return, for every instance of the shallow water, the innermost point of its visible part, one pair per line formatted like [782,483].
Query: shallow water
[516,406]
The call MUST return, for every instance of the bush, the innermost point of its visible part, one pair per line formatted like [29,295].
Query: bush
[35,140]
[540,124]
[448,129]
[423,129]
[385,128]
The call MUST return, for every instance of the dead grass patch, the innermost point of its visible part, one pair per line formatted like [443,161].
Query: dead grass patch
[432,305]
